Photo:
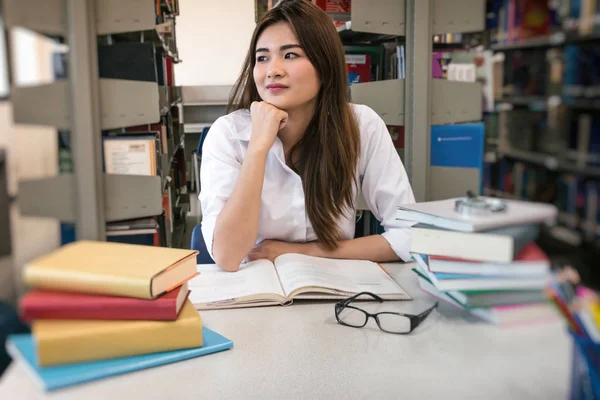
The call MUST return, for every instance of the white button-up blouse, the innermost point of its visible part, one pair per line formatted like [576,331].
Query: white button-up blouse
[382,179]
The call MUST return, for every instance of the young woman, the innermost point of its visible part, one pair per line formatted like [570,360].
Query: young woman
[282,172]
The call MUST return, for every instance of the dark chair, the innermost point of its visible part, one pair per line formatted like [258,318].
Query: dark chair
[197,160]
[9,325]
[198,244]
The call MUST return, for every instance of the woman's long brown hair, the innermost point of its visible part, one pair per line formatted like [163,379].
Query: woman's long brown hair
[329,150]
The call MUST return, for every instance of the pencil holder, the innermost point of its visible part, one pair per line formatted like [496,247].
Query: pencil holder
[585,374]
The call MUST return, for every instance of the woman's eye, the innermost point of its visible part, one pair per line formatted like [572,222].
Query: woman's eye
[291,55]
[261,58]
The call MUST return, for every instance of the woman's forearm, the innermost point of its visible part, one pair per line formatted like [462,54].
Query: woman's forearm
[237,224]
[374,248]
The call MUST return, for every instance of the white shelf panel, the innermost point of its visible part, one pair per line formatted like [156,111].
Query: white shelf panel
[456,16]
[128,103]
[118,16]
[123,103]
[452,102]
[216,95]
[42,105]
[386,98]
[44,16]
[370,18]
[126,197]
[112,16]
[386,17]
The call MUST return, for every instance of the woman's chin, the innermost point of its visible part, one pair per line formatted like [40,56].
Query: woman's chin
[280,101]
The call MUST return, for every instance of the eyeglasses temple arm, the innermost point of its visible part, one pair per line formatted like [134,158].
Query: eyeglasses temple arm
[373,295]
[421,317]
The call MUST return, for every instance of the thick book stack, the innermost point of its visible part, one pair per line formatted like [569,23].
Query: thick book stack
[98,309]
[488,265]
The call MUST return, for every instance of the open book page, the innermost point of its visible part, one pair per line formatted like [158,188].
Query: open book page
[299,273]
[255,280]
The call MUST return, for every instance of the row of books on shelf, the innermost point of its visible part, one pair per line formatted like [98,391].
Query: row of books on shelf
[143,150]
[570,137]
[388,61]
[575,196]
[339,10]
[512,21]
[486,265]
[137,316]
[132,60]
[166,9]
[568,74]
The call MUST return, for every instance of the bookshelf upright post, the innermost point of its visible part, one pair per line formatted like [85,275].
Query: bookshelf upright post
[85,120]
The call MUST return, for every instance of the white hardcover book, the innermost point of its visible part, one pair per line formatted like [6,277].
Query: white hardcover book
[442,214]
[481,247]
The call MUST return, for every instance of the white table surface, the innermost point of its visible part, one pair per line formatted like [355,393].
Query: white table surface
[301,352]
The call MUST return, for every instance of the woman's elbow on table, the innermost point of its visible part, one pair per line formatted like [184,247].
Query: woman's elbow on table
[225,260]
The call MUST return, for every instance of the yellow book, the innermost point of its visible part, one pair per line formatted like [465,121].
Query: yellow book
[114,269]
[71,341]
[595,309]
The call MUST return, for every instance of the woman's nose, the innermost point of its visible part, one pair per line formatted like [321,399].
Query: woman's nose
[275,68]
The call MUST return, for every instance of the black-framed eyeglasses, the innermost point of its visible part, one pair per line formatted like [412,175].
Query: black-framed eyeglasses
[391,322]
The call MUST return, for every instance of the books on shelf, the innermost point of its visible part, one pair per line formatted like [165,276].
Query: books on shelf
[131,155]
[141,57]
[143,231]
[359,68]
[129,60]
[456,159]
[291,276]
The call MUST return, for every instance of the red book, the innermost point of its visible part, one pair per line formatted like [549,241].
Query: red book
[531,252]
[359,68]
[45,304]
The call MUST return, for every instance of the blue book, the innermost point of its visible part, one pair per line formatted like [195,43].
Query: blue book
[444,275]
[458,148]
[22,348]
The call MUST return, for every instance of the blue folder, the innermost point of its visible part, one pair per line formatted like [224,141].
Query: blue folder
[22,348]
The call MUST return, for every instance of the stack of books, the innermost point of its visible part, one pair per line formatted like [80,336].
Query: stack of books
[98,309]
[487,264]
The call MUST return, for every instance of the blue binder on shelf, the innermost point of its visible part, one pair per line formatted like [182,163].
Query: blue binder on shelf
[22,349]
[456,159]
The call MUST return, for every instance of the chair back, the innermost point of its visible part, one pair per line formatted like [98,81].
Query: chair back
[197,243]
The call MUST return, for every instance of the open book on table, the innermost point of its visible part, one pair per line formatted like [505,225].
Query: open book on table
[291,276]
